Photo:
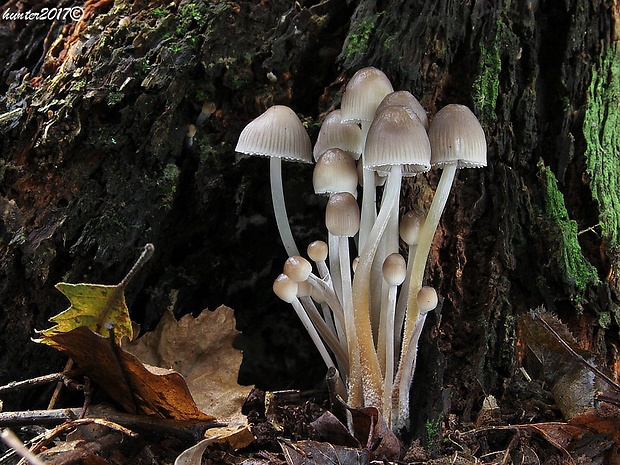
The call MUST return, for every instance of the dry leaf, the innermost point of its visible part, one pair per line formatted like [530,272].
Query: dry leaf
[201,349]
[92,306]
[370,428]
[133,385]
[322,453]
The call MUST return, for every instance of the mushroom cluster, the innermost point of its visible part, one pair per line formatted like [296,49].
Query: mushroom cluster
[365,310]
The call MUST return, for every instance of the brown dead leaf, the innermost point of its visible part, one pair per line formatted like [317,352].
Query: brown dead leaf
[133,385]
[322,453]
[201,349]
[371,430]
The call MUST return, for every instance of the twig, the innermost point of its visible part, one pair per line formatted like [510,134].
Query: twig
[192,430]
[59,385]
[61,429]
[33,382]
[14,443]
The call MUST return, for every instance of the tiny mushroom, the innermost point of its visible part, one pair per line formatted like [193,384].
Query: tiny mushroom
[278,134]
[394,272]
[208,108]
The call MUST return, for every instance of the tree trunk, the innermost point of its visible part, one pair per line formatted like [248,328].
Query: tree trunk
[95,163]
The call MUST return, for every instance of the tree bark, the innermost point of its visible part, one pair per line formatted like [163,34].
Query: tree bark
[95,164]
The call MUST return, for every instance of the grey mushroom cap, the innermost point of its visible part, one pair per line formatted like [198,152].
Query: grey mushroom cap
[363,94]
[335,133]
[405,99]
[278,132]
[457,137]
[397,137]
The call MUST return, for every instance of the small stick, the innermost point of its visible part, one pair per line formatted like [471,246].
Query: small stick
[147,253]
[11,440]
[59,386]
[33,382]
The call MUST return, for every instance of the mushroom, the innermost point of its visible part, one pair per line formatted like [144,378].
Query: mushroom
[277,133]
[342,218]
[394,272]
[335,134]
[363,94]
[208,108]
[406,99]
[457,141]
[189,135]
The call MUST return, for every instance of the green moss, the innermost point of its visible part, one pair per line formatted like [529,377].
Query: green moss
[433,432]
[601,129]
[486,85]
[578,271]
[357,42]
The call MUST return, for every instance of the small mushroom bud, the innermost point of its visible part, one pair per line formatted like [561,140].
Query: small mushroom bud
[410,226]
[285,288]
[317,251]
[189,136]
[208,108]
[427,299]
[342,215]
[297,268]
[394,269]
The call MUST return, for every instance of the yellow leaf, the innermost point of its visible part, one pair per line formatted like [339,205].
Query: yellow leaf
[92,306]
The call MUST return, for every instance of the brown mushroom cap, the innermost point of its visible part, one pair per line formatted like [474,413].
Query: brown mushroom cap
[456,136]
[394,269]
[410,226]
[363,94]
[334,172]
[406,99]
[396,137]
[334,133]
[278,132]
[342,215]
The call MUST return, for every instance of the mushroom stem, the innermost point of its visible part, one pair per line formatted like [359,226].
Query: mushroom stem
[314,335]
[369,210]
[326,334]
[389,355]
[413,322]
[279,207]
[371,371]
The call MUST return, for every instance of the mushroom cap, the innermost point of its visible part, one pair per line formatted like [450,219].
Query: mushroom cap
[410,226]
[342,215]
[297,268]
[394,269]
[318,250]
[363,94]
[405,98]
[285,288]
[456,136]
[278,132]
[427,299]
[397,137]
[335,133]
[335,172]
